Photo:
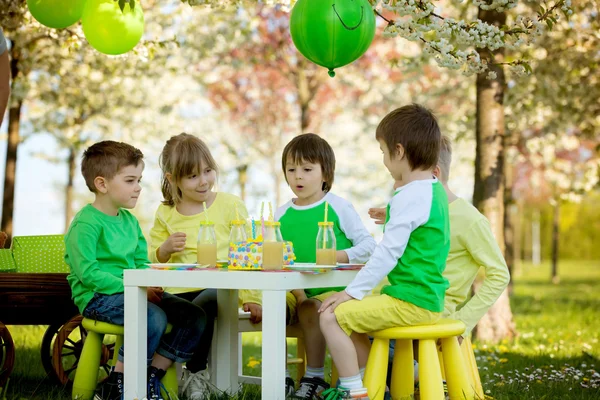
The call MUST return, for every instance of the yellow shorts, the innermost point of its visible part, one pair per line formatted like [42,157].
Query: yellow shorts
[321,297]
[374,313]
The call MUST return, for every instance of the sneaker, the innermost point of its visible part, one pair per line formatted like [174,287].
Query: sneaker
[310,388]
[341,393]
[290,387]
[155,386]
[111,388]
[196,386]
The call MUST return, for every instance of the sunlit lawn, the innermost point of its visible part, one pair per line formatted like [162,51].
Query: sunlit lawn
[556,355]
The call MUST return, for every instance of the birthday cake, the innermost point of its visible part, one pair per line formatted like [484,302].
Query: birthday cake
[249,255]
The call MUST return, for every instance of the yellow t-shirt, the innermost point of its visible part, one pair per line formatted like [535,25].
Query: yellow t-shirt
[221,212]
[472,245]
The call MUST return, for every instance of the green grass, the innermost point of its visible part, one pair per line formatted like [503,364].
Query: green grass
[555,356]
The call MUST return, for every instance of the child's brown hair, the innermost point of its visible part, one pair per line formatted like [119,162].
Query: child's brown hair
[182,156]
[416,129]
[314,149]
[105,159]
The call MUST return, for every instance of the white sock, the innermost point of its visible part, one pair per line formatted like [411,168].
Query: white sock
[416,364]
[362,373]
[351,382]
[287,373]
[315,372]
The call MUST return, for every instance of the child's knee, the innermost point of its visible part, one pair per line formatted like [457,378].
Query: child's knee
[308,311]
[157,319]
[326,319]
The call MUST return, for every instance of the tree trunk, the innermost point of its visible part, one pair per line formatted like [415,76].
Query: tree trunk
[555,238]
[536,242]
[242,180]
[304,94]
[71,165]
[10,170]
[509,220]
[488,194]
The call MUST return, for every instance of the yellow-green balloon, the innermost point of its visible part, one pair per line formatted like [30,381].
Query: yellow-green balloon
[332,33]
[56,14]
[110,30]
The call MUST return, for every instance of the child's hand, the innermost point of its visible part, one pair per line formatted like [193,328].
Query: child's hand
[335,300]
[155,294]
[173,244]
[378,214]
[255,312]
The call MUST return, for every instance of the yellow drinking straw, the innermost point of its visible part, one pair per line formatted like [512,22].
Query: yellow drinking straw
[325,227]
[205,211]
[270,212]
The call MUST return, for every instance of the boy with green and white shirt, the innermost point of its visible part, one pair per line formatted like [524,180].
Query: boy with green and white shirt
[309,165]
[412,253]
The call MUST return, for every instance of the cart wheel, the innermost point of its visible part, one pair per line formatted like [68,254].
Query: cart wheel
[7,354]
[46,350]
[66,351]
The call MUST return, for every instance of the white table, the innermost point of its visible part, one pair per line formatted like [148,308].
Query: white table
[274,286]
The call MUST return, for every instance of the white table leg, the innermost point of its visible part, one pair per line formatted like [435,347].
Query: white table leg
[227,340]
[273,345]
[136,320]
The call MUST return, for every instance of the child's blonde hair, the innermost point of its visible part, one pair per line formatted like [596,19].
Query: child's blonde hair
[182,156]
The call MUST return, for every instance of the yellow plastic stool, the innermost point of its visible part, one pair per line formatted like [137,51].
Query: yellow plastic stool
[430,373]
[472,370]
[86,375]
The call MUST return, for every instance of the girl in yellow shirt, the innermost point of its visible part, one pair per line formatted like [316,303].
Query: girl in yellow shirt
[189,172]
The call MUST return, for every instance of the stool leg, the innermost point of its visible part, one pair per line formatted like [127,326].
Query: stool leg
[301,353]
[467,351]
[376,370]
[456,371]
[441,358]
[430,375]
[334,374]
[170,383]
[86,375]
[403,370]
[118,344]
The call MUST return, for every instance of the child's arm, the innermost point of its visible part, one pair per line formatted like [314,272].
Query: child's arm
[300,295]
[164,243]
[141,251]
[80,246]
[363,243]
[408,210]
[482,246]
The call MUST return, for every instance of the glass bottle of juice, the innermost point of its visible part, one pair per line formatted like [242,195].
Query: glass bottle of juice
[207,244]
[272,247]
[326,250]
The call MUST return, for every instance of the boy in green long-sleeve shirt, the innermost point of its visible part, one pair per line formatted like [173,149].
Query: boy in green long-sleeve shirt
[103,241]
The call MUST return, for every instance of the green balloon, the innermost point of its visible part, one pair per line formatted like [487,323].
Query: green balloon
[110,30]
[56,14]
[332,33]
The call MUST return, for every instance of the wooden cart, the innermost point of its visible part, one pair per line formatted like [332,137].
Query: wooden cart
[34,291]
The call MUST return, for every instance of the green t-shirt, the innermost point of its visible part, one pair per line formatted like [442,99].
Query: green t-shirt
[413,250]
[99,247]
[299,224]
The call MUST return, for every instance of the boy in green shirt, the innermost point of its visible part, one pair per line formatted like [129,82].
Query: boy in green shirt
[308,163]
[412,253]
[103,241]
